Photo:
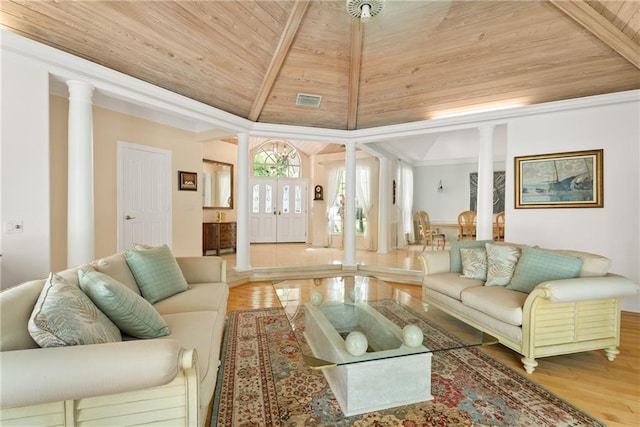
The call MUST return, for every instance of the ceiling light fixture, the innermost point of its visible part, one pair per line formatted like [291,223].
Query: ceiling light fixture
[364,9]
[282,153]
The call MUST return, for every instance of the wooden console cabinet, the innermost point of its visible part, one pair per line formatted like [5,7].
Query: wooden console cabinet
[217,236]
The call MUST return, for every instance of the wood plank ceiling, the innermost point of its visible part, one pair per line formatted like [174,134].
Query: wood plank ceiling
[416,60]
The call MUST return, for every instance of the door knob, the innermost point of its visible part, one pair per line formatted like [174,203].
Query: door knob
[129,217]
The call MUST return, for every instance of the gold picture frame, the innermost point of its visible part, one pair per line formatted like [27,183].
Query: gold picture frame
[560,180]
[187,181]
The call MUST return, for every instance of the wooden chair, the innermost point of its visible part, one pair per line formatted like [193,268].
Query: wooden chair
[467,225]
[429,235]
[498,227]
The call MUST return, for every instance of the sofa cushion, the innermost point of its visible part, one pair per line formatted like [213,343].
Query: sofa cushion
[134,315]
[538,265]
[116,266]
[64,315]
[497,302]
[199,297]
[71,275]
[16,306]
[156,272]
[593,265]
[501,263]
[456,260]
[474,263]
[450,284]
[204,338]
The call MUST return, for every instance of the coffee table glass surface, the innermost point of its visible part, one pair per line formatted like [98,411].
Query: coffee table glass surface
[353,319]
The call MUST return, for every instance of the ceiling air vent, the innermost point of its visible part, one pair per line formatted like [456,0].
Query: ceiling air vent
[306,100]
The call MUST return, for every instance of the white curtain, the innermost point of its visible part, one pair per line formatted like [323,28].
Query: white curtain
[207,190]
[364,178]
[334,176]
[223,180]
[405,174]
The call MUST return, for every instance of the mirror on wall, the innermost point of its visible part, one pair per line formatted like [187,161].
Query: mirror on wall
[217,185]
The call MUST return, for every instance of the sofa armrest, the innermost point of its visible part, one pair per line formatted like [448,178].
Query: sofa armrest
[435,262]
[203,269]
[52,374]
[587,288]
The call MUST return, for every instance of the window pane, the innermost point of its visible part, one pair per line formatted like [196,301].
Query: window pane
[255,199]
[285,199]
[268,198]
[298,200]
[277,158]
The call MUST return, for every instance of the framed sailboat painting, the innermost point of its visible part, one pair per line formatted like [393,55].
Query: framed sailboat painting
[561,180]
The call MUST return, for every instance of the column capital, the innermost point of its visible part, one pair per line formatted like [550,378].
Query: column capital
[486,130]
[79,89]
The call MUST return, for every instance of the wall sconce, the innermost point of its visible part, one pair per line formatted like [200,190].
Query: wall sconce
[440,187]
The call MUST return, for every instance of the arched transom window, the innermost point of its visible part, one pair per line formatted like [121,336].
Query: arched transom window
[277,158]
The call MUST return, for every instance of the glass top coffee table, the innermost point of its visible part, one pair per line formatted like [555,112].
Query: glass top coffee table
[373,342]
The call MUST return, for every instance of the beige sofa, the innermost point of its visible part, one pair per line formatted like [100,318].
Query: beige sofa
[556,317]
[167,381]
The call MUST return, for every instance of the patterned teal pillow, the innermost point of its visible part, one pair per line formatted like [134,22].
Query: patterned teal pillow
[501,263]
[64,315]
[134,315]
[538,265]
[474,263]
[156,272]
[455,258]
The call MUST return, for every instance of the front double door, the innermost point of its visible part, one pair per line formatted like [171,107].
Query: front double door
[278,210]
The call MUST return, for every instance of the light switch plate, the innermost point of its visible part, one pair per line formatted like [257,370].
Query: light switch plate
[14,226]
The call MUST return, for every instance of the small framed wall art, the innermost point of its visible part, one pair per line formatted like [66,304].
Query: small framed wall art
[187,181]
[561,180]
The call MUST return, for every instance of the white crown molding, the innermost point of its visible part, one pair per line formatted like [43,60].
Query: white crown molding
[270,130]
[160,104]
[456,161]
[490,118]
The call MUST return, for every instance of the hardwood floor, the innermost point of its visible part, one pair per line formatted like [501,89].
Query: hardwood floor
[609,391]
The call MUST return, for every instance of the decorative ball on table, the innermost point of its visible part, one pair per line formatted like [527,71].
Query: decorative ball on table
[316,298]
[412,336]
[356,343]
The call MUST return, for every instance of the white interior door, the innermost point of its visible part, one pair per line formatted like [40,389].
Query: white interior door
[292,212]
[263,217]
[144,195]
[278,210]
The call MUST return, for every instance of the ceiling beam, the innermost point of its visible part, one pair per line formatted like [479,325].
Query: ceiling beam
[354,73]
[600,27]
[288,34]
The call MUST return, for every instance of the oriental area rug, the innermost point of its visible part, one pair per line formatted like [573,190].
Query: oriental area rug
[263,381]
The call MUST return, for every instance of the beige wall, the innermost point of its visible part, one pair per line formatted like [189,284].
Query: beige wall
[58,114]
[108,128]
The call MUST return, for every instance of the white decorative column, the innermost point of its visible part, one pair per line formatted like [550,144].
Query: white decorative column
[484,219]
[80,219]
[349,220]
[383,206]
[242,204]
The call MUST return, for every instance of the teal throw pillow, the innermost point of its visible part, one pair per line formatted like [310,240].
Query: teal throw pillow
[131,313]
[501,263]
[456,258]
[538,265]
[156,272]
